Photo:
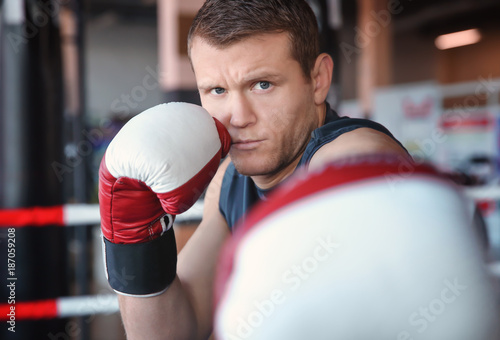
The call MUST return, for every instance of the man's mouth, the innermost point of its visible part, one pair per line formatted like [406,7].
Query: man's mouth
[246,144]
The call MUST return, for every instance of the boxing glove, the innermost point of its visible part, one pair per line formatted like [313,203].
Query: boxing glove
[373,247]
[156,167]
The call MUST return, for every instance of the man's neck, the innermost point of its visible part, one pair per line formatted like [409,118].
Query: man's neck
[265,182]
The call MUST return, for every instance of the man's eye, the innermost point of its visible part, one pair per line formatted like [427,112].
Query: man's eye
[218,90]
[262,85]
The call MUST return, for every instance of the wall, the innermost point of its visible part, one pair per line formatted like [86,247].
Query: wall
[121,65]
[468,63]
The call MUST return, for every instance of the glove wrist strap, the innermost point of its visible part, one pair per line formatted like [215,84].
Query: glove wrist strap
[141,269]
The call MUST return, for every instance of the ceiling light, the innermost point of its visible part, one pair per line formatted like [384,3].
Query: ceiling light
[458,39]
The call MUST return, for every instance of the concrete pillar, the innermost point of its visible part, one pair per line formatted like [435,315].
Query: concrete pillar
[374,38]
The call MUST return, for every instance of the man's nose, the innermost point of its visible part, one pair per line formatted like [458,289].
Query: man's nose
[240,111]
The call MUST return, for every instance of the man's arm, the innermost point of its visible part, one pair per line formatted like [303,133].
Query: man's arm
[184,310]
[361,141]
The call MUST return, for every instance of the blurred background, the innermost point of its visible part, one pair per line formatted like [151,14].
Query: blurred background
[73,72]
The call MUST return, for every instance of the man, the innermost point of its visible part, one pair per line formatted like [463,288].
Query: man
[259,72]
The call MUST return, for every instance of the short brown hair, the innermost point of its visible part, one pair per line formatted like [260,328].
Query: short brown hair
[224,22]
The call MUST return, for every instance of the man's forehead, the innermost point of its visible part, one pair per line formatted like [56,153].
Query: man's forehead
[273,41]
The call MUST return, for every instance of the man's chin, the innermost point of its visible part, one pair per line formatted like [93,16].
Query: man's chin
[249,166]
[248,170]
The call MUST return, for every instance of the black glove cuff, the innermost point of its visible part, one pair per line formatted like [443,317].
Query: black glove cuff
[141,269]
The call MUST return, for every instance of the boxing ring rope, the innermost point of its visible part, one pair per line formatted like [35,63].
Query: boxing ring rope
[62,215]
[71,215]
[88,214]
[75,306]
[62,307]
[76,215]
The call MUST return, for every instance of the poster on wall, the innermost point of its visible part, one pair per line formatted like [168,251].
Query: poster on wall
[411,112]
[470,141]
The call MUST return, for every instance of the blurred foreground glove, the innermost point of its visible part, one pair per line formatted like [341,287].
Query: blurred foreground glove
[156,167]
[368,248]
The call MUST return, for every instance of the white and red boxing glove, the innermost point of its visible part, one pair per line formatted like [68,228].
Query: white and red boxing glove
[156,167]
[373,247]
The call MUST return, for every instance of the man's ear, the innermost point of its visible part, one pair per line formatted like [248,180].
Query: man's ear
[322,77]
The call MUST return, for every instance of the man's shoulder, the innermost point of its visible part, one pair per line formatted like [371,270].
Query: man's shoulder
[355,142]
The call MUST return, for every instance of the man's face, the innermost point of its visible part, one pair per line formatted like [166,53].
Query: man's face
[259,92]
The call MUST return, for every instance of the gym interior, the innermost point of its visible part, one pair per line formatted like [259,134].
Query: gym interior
[74,72]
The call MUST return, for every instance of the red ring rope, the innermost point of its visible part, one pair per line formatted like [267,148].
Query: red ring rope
[34,216]
[59,308]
